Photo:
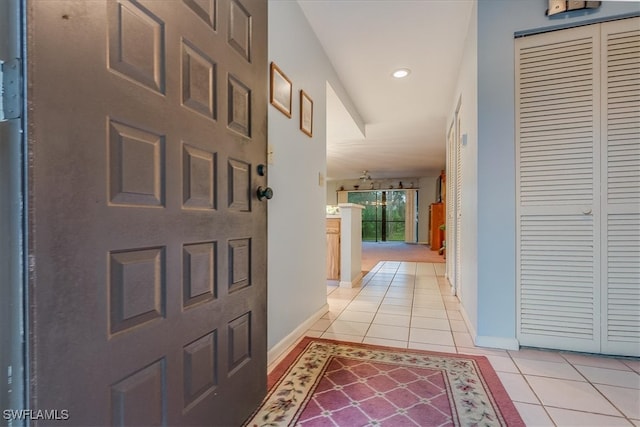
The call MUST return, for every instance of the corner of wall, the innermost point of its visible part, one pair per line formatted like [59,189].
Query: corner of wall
[296,270]
[280,348]
[497,342]
[465,101]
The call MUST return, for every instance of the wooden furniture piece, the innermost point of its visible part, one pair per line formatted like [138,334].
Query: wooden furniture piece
[437,218]
[333,248]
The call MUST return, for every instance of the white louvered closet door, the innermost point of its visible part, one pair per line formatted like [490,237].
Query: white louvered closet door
[458,207]
[451,197]
[557,128]
[578,150]
[620,153]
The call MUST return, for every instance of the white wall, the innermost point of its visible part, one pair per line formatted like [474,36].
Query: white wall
[493,243]
[332,194]
[466,98]
[296,215]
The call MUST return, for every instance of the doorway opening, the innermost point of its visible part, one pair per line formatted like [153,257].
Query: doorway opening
[383,217]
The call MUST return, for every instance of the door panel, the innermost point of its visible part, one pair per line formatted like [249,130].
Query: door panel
[458,208]
[452,178]
[620,153]
[148,244]
[558,223]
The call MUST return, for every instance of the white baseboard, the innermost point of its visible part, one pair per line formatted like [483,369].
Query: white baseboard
[277,350]
[355,281]
[497,342]
[487,341]
[470,326]
[452,288]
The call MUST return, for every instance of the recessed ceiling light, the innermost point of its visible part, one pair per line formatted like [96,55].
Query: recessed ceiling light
[402,72]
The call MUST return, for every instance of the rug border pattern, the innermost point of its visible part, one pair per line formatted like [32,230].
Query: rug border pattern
[473,387]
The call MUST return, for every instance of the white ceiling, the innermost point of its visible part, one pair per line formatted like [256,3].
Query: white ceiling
[405,119]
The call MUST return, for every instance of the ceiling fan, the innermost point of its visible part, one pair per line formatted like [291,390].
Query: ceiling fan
[365,176]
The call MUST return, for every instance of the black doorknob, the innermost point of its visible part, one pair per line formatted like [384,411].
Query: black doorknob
[264,193]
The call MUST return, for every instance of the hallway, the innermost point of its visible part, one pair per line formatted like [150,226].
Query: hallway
[374,252]
[408,305]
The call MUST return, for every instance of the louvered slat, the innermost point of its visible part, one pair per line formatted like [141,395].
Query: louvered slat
[458,207]
[621,202]
[623,117]
[555,141]
[451,231]
[556,281]
[623,278]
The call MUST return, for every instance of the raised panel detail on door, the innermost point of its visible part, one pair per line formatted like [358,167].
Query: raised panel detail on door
[141,398]
[199,178]
[205,9]
[239,342]
[200,368]
[199,81]
[136,44]
[240,29]
[136,166]
[239,264]
[136,287]
[200,273]
[239,178]
[239,113]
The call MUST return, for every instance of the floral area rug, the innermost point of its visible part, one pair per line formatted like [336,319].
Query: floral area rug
[332,383]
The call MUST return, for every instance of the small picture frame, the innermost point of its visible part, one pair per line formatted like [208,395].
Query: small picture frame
[306,113]
[281,90]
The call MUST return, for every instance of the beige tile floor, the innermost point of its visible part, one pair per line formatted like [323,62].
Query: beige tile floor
[408,305]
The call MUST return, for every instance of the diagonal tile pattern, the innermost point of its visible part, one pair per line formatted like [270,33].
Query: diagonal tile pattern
[409,305]
[353,391]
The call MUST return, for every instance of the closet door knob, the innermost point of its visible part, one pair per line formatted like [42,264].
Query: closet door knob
[586,211]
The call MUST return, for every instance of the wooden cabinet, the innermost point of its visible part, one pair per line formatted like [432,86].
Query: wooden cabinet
[437,218]
[333,248]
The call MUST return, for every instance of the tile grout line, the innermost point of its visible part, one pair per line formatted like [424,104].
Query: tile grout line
[544,407]
[508,354]
[521,374]
[413,298]
[378,308]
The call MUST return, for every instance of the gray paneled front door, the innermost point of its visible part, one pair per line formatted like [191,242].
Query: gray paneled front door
[147,121]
